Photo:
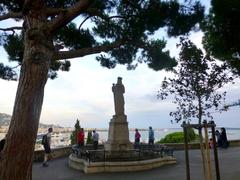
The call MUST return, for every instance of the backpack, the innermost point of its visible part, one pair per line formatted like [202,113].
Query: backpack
[44,139]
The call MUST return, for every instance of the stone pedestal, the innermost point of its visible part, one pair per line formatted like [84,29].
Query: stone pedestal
[118,134]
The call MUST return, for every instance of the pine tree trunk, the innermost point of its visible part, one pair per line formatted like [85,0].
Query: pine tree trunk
[21,137]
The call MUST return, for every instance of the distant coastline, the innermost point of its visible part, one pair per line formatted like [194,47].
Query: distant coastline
[5,121]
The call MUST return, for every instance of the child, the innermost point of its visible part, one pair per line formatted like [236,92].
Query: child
[211,143]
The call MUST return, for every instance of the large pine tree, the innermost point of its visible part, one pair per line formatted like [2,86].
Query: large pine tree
[118,30]
[222,32]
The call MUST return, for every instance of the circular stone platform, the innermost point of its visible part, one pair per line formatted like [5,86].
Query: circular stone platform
[126,166]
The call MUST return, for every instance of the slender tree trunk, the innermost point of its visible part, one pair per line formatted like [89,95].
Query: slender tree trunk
[201,138]
[207,152]
[202,153]
[21,137]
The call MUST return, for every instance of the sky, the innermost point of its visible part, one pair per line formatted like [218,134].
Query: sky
[85,93]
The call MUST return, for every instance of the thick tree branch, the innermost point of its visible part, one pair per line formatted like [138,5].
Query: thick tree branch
[95,13]
[69,14]
[11,28]
[54,11]
[11,15]
[84,22]
[86,51]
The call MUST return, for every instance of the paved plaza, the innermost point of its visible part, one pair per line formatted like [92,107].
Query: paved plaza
[229,160]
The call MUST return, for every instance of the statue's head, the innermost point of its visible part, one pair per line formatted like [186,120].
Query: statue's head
[119,80]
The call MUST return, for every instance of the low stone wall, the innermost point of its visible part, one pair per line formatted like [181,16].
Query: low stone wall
[59,152]
[234,143]
[180,146]
[56,153]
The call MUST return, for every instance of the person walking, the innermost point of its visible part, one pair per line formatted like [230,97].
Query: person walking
[137,139]
[151,137]
[95,139]
[46,141]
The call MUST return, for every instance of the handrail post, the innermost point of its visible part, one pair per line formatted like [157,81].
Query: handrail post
[104,154]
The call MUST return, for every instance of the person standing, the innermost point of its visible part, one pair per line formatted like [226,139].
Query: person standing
[46,141]
[137,139]
[224,138]
[95,139]
[80,138]
[219,139]
[151,137]
[211,145]
[2,143]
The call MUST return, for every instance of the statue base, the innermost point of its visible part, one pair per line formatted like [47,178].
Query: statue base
[118,134]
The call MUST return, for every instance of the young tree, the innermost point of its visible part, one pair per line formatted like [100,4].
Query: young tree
[222,32]
[195,87]
[75,132]
[89,138]
[119,30]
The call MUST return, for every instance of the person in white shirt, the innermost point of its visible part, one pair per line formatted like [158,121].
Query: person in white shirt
[95,139]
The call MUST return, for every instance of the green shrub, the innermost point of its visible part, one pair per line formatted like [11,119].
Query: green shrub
[178,137]
[73,136]
[191,135]
[89,138]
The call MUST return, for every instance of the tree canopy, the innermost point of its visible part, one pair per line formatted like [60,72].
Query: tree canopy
[195,87]
[222,32]
[120,28]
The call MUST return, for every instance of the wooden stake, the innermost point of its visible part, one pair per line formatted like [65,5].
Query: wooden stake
[215,150]
[186,150]
[208,159]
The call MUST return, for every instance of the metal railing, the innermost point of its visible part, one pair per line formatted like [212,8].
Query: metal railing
[141,152]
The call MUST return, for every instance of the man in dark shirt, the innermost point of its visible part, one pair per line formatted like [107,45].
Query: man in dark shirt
[2,143]
[47,148]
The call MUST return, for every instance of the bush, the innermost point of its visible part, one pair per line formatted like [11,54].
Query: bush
[89,138]
[73,136]
[178,137]
[191,134]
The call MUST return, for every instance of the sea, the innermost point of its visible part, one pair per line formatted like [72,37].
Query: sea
[63,139]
